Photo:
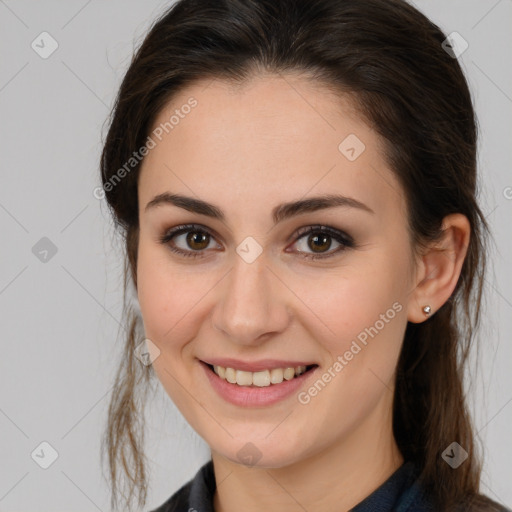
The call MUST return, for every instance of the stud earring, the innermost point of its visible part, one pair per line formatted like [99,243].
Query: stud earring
[427,310]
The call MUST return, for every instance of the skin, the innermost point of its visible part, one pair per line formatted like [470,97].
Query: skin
[247,149]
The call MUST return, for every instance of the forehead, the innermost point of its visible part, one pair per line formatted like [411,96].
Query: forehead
[272,138]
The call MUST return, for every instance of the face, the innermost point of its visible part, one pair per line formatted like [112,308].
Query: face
[251,280]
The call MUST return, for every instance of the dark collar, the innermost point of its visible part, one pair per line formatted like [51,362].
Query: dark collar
[401,492]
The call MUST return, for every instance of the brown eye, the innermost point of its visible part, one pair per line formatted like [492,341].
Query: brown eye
[314,242]
[198,240]
[319,243]
[188,240]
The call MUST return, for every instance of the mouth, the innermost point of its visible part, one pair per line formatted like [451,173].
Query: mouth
[265,378]
[260,389]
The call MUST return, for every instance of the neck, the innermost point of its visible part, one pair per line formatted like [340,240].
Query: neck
[334,479]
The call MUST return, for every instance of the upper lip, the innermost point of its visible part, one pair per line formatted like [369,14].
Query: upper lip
[255,366]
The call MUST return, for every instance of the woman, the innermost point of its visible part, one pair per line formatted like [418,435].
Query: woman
[296,184]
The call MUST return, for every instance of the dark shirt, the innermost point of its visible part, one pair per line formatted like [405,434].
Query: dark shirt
[401,492]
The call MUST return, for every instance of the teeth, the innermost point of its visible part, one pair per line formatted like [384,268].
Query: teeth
[289,373]
[230,375]
[260,379]
[276,376]
[243,378]
[221,371]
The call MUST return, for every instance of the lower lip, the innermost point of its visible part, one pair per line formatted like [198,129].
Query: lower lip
[253,396]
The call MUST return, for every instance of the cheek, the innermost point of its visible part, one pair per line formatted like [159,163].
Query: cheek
[366,328]
[163,295]
[171,299]
[167,300]
[364,316]
[154,293]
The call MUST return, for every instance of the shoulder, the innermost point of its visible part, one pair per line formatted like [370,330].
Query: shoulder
[416,498]
[480,503]
[178,502]
[196,494]
[420,501]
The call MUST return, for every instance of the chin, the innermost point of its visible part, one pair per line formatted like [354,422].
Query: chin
[260,454]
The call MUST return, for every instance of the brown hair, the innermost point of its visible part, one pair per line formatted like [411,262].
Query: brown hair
[390,58]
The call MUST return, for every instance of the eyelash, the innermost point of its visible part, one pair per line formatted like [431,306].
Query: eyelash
[345,240]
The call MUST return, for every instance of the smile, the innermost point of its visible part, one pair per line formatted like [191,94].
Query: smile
[262,378]
[261,391]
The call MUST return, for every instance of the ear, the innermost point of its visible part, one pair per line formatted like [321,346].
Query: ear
[439,268]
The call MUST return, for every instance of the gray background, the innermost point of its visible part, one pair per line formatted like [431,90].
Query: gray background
[59,318]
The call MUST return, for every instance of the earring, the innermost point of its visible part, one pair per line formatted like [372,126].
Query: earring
[427,310]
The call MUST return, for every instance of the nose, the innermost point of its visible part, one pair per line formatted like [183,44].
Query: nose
[252,303]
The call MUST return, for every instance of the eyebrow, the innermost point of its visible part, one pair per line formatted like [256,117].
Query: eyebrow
[279,213]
